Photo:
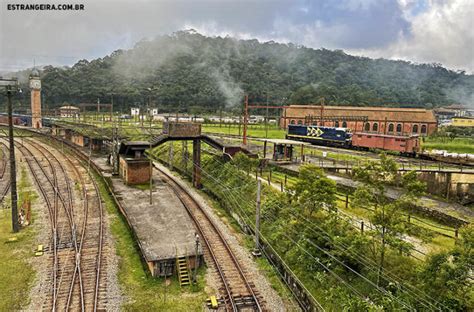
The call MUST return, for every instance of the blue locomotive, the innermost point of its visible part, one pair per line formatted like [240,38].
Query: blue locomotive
[320,135]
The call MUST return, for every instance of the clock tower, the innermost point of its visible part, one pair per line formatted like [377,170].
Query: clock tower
[35,87]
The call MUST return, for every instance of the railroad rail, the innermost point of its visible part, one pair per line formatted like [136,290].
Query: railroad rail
[75,251]
[4,172]
[237,291]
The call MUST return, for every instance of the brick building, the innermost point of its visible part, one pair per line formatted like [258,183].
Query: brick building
[134,166]
[367,119]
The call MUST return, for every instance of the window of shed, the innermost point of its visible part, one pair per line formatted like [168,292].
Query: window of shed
[399,127]
[390,127]
[415,129]
[375,127]
[423,129]
[336,124]
[367,126]
[292,122]
[344,124]
[300,122]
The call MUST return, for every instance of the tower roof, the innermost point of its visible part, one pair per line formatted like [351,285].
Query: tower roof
[34,73]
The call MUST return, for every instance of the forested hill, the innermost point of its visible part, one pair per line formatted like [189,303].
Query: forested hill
[192,72]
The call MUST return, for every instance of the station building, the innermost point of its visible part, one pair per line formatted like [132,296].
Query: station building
[463,122]
[385,120]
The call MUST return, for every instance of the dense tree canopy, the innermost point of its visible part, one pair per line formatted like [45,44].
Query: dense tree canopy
[191,72]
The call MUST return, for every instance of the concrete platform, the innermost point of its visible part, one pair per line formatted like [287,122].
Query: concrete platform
[164,229]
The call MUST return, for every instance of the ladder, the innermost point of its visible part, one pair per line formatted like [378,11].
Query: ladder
[183,272]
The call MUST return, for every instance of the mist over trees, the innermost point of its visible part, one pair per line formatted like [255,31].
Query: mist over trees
[192,73]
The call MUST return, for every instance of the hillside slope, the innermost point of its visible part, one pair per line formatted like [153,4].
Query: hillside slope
[191,72]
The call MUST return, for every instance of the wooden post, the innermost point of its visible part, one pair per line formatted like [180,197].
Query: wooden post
[347,200]
[281,186]
[265,149]
[362,226]
[286,178]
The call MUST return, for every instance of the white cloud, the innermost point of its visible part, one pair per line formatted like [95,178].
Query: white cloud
[444,34]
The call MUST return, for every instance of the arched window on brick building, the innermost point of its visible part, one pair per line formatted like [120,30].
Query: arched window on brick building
[344,124]
[336,124]
[292,122]
[300,122]
[399,128]
[375,127]
[390,128]
[367,126]
[415,129]
[423,129]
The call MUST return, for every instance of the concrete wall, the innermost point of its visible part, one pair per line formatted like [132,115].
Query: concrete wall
[456,186]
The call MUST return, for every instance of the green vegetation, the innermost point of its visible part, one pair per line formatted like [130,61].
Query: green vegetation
[452,145]
[258,131]
[387,215]
[339,264]
[16,273]
[452,139]
[190,72]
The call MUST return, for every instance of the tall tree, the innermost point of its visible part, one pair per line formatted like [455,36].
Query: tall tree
[313,190]
[386,217]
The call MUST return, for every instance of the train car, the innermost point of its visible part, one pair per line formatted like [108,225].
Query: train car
[328,136]
[24,120]
[17,121]
[405,145]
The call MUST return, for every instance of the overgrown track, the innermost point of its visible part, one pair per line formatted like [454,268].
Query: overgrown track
[76,236]
[4,171]
[237,292]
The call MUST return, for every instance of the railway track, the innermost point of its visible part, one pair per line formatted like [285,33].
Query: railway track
[77,228]
[237,291]
[4,171]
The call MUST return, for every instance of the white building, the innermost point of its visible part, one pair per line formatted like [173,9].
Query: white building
[135,111]
[153,111]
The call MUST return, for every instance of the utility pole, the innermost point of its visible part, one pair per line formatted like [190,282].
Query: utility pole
[256,251]
[266,118]
[12,86]
[246,111]
[151,172]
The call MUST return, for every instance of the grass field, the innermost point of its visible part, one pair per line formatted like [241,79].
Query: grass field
[456,145]
[16,273]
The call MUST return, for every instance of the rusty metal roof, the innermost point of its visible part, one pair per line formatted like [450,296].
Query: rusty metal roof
[372,113]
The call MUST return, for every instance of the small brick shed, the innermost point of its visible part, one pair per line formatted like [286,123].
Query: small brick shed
[134,167]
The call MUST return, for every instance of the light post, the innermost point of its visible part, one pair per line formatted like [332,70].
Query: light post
[196,264]
[11,86]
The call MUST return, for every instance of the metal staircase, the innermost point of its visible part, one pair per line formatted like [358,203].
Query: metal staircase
[183,271]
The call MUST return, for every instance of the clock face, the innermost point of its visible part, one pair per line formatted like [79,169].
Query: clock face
[35,84]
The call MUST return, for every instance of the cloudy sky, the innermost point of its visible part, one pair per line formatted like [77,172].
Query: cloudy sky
[440,31]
